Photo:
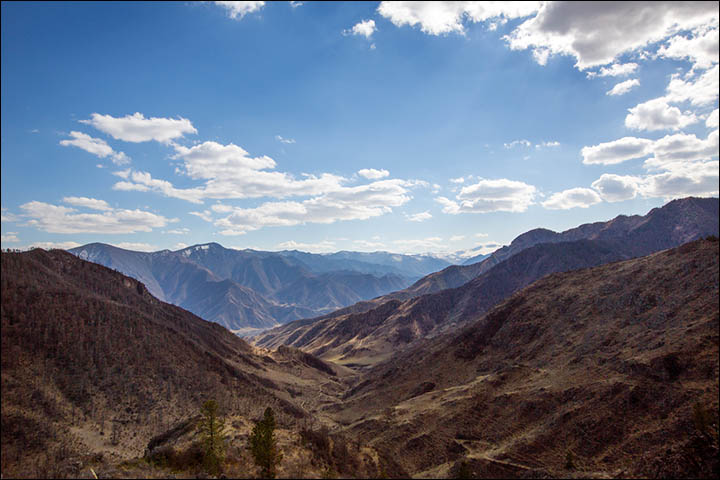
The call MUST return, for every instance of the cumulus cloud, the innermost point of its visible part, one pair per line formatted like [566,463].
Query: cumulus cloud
[61,219]
[284,140]
[364,28]
[597,33]
[657,114]
[572,198]
[373,174]
[700,90]
[701,47]
[438,18]
[96,146]
[136,128]
[681,148]
[143,182]
[419,217]
[712,120]
[501,195]
[623,87]
[616,188]
[681,180]
[349,203]
[92,203]
[615,70]
[237,10]
[617,151]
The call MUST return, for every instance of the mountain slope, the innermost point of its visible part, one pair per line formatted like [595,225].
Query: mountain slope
[601,366]
[87,351]
[368,332]
[241,289]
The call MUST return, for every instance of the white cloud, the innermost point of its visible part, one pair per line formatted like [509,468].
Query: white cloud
[373,174]
[179,231]
[515,143]
[419,217]
[572,198]
[284,140]
[657,114]
[457,180]
[616,188]
[368,245]
[323,246]
[237,10]
[86,202]
[482,235]
[597,33]
[457,238]
[137,128]
[694,178]
[61,219]
[7,216]
[180,246]
[205,215]
[364,28]
[295,4]
[682,148]
[623,87]
[52,245]
[615,70]
[138,247]
[701,47]
[420,245]
[96,146]
[437,18]
[712,120]
[143,182]
[702,90]
[501,195]
[349,203]
[547,144]
[9,237]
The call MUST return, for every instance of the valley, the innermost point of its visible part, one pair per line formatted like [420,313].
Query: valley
[588,353]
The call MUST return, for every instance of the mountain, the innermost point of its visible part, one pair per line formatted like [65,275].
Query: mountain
[604,372]
[93,364]
[376,263]
[369,332]
[242,289]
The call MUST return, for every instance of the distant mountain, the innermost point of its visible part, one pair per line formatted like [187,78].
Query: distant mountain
[366,333]
[376,263]
[242,289]
[89,357]
[592,373]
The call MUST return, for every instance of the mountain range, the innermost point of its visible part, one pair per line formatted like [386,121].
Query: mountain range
[248,290]
[609,371]
[372,331]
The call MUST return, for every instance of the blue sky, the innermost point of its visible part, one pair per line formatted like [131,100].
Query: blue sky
[433,127]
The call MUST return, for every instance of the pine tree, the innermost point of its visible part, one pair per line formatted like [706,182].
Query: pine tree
[213,437]
[263,445]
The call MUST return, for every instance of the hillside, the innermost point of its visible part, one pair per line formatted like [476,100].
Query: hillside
[93,366]
[591,373]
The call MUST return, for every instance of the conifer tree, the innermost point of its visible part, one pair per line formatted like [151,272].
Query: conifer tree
[213,437]
[263,445]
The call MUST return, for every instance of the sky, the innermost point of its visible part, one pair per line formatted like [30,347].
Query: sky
[409,127]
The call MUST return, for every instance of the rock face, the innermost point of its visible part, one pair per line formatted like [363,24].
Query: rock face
[243,289]
[368,332]
[606,367]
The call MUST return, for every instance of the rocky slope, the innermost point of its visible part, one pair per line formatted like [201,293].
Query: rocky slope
[607,371]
